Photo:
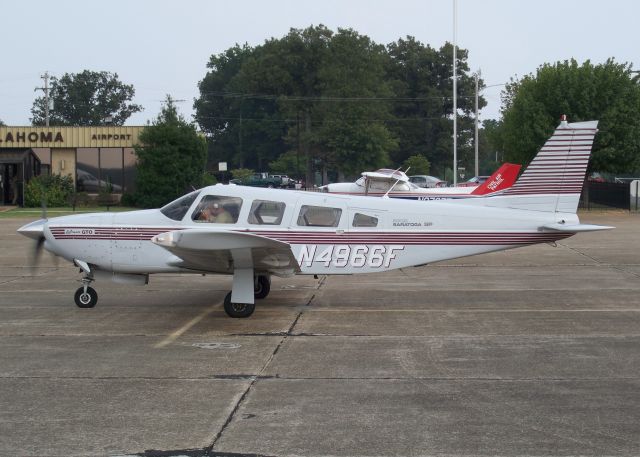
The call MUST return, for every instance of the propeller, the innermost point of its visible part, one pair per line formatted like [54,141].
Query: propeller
[38,247]
[36,254]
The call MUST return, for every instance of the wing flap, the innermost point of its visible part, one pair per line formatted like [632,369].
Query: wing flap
[218,252]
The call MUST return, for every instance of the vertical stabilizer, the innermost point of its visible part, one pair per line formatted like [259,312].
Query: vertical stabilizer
[553,180]
[501,179]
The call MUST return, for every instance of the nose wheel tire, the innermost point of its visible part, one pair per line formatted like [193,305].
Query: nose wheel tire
[86,299]
[239,310]
[261,287]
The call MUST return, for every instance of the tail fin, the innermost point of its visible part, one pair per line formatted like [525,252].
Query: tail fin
[501,179]
[553,180]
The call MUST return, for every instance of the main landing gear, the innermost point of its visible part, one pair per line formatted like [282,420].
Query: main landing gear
[261,288]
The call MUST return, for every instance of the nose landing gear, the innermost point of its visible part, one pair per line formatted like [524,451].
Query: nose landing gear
[85,296]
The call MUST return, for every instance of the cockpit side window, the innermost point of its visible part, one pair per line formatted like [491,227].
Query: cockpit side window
[217,209]
[264,212]
[379,186]
[177,209]
[319,216]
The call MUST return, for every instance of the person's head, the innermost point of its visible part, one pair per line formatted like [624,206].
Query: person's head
[215,209]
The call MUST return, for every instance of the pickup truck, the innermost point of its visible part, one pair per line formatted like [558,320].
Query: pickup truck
[259,180]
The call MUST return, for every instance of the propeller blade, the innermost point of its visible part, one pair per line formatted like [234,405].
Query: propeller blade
[43,203]
[36,254]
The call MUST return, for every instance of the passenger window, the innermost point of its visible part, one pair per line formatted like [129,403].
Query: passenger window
[319,216]
[264,212]
[362,220]
[218,209]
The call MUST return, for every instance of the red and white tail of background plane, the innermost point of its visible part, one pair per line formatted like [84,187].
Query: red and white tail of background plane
[501,179]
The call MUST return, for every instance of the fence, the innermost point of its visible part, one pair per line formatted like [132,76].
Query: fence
[604,195]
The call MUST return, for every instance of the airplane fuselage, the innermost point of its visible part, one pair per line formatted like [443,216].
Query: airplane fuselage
[365,235]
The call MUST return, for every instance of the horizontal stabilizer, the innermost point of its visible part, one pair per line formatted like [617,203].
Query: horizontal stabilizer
[575,228]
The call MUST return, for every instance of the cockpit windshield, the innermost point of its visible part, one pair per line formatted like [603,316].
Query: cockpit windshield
[177,209]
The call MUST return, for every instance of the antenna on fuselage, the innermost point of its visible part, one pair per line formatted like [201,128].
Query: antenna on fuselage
[386,195]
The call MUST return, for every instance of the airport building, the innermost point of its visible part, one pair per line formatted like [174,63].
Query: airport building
[95,157]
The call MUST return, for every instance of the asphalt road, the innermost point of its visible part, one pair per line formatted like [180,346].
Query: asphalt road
[530,352]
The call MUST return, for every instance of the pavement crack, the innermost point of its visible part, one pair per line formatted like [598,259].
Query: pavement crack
[599,262]
[254,380]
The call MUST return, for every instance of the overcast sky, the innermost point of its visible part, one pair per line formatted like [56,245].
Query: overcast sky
[162,47]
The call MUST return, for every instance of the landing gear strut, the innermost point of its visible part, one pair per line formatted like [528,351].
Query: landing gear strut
[86,297]
[244,304]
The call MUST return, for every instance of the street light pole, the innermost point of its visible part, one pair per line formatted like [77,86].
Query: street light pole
[476,126]
[455,97]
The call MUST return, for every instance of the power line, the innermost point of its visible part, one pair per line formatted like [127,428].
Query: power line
[324,98]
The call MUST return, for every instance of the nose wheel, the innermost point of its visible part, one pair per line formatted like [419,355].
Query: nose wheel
[86,297]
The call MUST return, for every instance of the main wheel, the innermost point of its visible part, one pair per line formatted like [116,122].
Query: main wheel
[86,300]
[261,286]
[238,309]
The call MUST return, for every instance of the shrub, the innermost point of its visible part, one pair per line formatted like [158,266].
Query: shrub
[55,190]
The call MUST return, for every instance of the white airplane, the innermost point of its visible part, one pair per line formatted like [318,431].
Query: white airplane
[264,232]
[395,184]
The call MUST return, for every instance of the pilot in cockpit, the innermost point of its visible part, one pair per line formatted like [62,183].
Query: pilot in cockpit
[214,212]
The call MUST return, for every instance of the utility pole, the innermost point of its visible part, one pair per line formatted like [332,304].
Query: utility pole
[45,89]
[476,132]
[455,97]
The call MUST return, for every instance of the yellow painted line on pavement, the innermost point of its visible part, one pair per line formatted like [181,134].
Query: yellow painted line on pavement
[176,334]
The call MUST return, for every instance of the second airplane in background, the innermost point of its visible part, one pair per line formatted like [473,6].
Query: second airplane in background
[395,184]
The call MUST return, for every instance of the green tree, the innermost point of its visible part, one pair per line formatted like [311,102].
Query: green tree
[50,190]
[311,91]
[288,163]
[421,78]
[336,101]
[417,165]
[171,159]
[87,98]
[242,173]
[2,123]
[607,92]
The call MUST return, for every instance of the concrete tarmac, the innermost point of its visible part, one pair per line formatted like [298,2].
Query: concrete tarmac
[529,352]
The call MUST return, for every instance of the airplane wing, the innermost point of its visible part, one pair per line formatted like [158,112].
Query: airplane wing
[385,175]
[222,252]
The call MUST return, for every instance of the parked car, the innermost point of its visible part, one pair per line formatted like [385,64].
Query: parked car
[427,181]
[473,182]
[285,181]
[259,180]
